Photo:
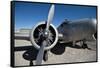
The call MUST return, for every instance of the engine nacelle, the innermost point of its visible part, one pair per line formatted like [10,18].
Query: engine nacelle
[38,30]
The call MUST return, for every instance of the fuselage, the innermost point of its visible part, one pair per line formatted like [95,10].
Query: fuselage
[77,30]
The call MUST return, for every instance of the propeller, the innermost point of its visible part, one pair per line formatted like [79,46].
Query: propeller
[46,41]
[40,53]
[50,17]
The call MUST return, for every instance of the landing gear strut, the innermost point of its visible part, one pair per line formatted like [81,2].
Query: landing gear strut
[84,45]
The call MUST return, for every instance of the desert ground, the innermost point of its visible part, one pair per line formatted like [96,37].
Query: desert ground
[25,53]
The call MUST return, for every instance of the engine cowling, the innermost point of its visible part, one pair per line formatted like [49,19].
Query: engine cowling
[38,33]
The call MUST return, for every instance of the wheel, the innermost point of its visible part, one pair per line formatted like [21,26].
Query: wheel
[84,46]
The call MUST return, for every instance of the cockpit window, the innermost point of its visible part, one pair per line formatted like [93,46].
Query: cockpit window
[65,22]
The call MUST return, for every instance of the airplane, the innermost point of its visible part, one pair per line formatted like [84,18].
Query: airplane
[44,36]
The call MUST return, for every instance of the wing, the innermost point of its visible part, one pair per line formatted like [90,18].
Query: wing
[22,34]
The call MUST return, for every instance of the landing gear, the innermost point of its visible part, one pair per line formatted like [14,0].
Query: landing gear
[84,45]
[74,43]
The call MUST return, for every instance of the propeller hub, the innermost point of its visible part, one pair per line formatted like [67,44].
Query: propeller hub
[46,33]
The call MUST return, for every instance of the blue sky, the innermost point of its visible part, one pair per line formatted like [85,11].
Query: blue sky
[29,14]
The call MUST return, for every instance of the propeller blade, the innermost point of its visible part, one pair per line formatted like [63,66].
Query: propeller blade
[50,16]
[40,53]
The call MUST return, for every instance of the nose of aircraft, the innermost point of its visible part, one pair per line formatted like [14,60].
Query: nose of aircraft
[94,21]
[94,24]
